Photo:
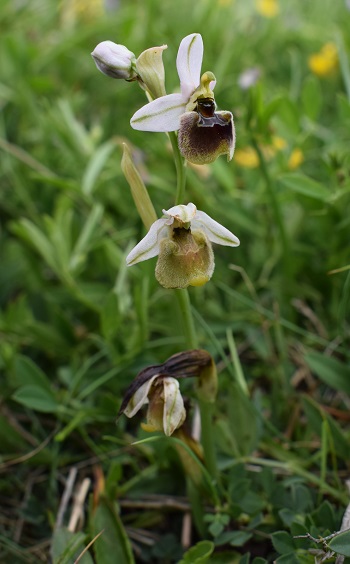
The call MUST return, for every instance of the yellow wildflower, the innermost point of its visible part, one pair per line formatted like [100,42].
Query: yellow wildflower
[247,157]
[279,143]
[81,11]
[267,8]
[325,61]
[296,158]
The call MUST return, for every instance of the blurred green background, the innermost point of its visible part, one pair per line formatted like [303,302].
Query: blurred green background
[76,325]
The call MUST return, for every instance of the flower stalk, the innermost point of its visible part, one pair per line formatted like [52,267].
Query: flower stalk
[182,238]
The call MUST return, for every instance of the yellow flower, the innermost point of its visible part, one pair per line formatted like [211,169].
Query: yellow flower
[279,143]
[296,159]
[267,8]
[247,157]
[325,61]
[80,10]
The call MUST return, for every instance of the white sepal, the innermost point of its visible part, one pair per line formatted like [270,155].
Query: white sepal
[148,247]
[163,114]
[139,398]
[215,232]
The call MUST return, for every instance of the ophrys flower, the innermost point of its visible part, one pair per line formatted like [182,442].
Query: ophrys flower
[182,240]
[204,133]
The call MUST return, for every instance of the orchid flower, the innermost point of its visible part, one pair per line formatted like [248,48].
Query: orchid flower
[182,239]
[158,387]
[166,411]
[204,134]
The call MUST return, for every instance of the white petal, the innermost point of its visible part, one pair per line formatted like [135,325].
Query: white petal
[148,247]
[174,413]
[189,63]
[182,213]
[139,398]
[163,114]
[215,232]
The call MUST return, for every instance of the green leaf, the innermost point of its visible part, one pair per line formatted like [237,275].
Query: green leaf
[26,372]
[95,166]
[67,546]
[316,416]
[239,538]
[311,97]
[36,398]
[198,554]
[243,420]
[86,237]
[110,316]
[341,543]
[113,545]
[282,542]
[289,114]
[330,370]
[304,185]
[33,235]
[290,558]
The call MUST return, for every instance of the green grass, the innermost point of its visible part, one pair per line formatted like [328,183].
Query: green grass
[77,325]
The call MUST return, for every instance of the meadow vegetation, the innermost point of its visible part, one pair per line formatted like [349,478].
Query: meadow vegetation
[77,325]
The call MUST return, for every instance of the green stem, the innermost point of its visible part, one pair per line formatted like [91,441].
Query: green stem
[183,299]
[205,408]
[180,169]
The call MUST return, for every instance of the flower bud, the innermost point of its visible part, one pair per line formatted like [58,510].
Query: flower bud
[138,189]
[115,60]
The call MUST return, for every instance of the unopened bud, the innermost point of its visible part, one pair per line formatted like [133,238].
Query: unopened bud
[115,60]
[138,189]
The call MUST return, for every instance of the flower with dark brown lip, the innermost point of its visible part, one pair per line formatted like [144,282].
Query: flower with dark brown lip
[204,134]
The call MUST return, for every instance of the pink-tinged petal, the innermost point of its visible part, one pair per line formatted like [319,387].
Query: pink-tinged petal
[148,247]
[163,114]
[189,63]
[215,232]
[139,398]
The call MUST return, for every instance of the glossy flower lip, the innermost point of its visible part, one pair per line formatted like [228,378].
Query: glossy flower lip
[163,114]
[180,216]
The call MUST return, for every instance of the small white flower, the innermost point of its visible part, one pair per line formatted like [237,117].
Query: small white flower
[114,60]
[182,239]
[249,78]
